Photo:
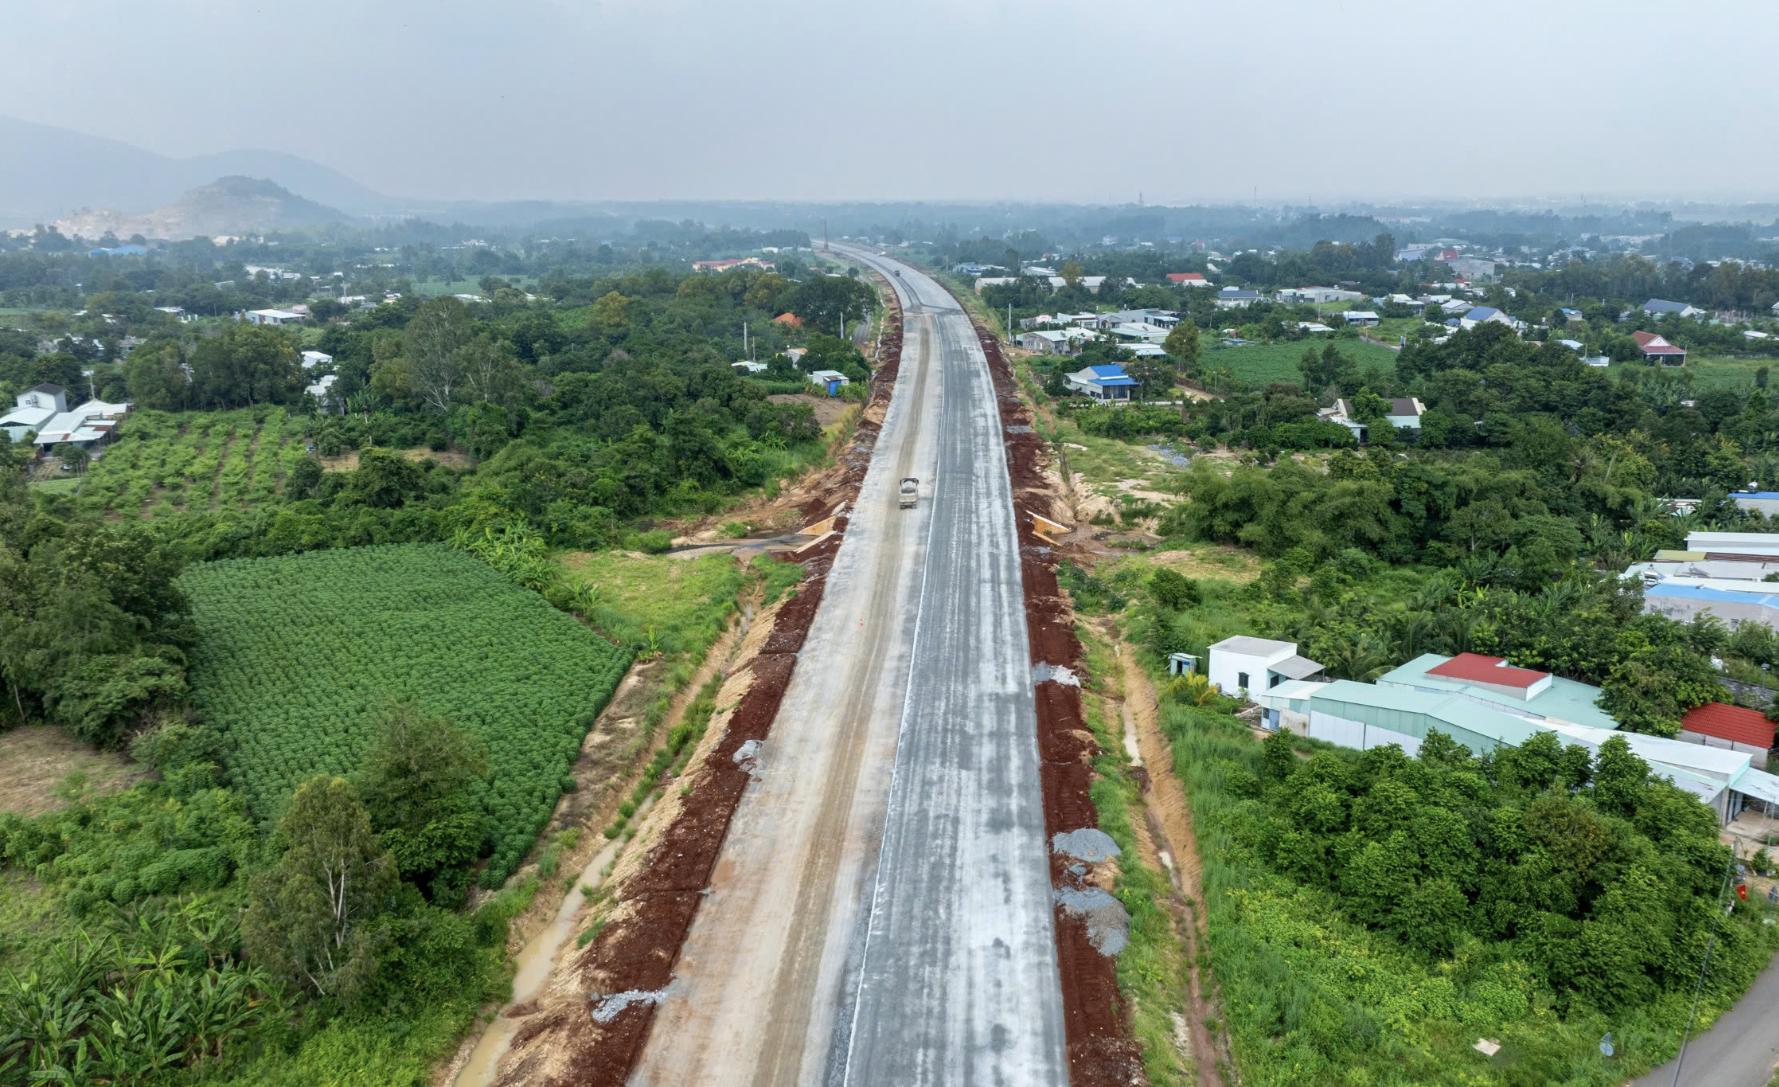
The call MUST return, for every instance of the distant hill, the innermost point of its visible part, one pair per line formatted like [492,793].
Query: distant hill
[54,172]
[226,206]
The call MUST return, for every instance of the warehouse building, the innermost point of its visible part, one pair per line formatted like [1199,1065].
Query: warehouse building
[1364,715]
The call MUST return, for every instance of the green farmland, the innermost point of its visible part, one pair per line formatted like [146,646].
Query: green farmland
[299,656]
[1263,363]
[169,463]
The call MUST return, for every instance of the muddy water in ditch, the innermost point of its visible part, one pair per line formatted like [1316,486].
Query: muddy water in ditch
[535,962]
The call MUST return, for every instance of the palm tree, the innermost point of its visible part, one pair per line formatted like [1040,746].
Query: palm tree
[1364,659]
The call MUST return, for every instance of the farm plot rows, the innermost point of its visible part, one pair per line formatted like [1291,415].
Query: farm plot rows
[166,462]
[299,656]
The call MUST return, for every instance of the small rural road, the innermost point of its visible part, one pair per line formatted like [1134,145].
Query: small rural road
[881,911]
[1740,1050]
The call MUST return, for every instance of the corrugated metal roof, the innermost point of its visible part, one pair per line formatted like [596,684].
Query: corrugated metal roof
[1296,667]
[1476,668]
[1712,592]
[1564,699]
[1737,724]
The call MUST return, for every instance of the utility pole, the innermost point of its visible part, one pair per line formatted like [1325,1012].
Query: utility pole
[744,347]
[1009,322]
[1717,923]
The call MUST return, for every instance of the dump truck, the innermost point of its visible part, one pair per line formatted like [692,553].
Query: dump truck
[910,491]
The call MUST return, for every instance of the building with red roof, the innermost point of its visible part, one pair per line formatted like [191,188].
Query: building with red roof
[1495,674]
[1657,349]
[1188,279]
[1734,728]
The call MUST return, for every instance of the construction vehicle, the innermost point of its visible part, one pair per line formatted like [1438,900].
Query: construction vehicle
[910,491]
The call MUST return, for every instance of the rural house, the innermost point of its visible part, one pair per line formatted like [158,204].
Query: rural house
[36,406]
[1660,307]
[1104,383]
[271,317]
[1236,298]
[1242,666]
[1657,349]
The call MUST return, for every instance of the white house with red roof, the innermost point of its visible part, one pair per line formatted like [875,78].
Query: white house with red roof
[1657,349]
[1188,279]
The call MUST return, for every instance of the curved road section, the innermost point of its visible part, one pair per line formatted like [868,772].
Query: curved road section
[881,912]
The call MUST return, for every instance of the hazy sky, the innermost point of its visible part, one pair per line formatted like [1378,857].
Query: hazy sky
[1183,100]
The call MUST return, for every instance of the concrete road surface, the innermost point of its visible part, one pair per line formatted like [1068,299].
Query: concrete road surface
[1740,1050]
[907,736]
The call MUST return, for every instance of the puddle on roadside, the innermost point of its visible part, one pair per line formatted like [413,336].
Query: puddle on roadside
[535,962]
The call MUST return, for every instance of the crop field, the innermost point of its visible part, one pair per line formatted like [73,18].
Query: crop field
[1704,371]
[299,656]
[168,463]
[1261,363]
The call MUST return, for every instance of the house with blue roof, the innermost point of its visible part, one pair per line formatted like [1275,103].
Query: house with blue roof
[1106,384]
[1480,315]
[1735,603]
[1766,502]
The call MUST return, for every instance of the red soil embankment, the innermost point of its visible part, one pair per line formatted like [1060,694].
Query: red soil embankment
[1102,1051]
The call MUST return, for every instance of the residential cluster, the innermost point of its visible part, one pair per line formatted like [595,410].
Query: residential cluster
[1486,703]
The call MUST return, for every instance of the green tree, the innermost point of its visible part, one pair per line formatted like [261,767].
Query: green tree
[1182,345]
[419,782]
[1070,273]
[383,479]
[244,365]
[74,456]
[1649,690]
[302,479]
[1277,758]
[433,365]
[1172,589]
[610,313]
[312,918]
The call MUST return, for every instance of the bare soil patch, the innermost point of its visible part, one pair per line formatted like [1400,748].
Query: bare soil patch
[829,410]
[450,458]
[35,758]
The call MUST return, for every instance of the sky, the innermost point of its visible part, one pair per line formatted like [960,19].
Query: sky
[1181,101]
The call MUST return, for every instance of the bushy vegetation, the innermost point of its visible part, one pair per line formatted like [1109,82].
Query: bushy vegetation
[93,631]
[1372,916]
[139,966]
[298,656]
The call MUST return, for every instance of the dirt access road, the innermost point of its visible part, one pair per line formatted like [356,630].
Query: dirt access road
[881,911]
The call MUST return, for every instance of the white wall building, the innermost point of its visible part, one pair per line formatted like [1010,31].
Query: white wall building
[36,406]
[1243,667]
[271,317]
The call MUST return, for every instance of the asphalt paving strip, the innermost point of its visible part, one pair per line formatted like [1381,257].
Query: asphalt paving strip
[757,973]
[1101,1049]
[959,982]
[800,971]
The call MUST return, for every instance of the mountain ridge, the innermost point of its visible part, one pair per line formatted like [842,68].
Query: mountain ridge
[226,206]
[67,172]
